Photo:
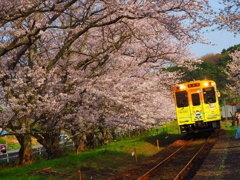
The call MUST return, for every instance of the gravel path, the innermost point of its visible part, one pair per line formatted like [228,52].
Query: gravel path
[223,162]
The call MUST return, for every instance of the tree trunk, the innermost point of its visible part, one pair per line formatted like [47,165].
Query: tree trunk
[25,154]
[80,145]
[114,135]
[50,142]
[53,147]
[105,139]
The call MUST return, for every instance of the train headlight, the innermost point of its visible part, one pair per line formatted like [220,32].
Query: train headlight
[206,84]
[209,83]
[181,87]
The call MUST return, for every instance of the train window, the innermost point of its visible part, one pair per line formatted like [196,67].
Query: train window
[195,99]
[182,99]
[209,95]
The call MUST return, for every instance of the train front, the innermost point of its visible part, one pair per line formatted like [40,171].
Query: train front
[197,106]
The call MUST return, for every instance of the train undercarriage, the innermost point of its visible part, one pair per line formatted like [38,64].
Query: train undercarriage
[200,126]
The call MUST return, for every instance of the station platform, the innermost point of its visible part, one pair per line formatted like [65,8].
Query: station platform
[223,161]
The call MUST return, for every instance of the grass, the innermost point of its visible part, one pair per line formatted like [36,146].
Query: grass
[2,140]
[98,163]
[103,162]
[230,130]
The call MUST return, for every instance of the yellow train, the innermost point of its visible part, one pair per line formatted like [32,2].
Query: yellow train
[197,106]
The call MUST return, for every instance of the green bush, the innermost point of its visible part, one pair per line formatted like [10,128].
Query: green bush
[2,140]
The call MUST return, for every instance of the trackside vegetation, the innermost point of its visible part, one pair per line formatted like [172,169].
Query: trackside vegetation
[103,162]
[98,163]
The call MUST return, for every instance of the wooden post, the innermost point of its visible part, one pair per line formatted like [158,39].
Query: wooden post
[135,154]
[79,175]
[7,158]
[94,144]
[157,144]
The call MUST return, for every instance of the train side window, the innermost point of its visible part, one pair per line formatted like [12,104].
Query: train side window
[195,99]
[209,95]
[182,99]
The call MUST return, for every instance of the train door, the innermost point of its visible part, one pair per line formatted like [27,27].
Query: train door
[211,106]
[182,108]
[197,111]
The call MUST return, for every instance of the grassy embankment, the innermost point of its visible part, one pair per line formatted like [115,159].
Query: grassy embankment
[98,163]
[102,162]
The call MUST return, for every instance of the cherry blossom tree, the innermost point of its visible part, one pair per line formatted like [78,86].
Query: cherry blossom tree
[229,17]
[232,22]
[234,66]
[53,52]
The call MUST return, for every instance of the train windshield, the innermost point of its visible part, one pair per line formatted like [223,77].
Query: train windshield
[182,99]
[209,95]
[195,99]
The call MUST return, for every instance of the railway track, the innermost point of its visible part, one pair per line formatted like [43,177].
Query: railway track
[177,162]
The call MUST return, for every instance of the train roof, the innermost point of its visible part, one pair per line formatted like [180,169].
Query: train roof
[192,84]
[196,81]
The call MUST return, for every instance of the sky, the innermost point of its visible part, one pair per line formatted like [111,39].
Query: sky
[223,39]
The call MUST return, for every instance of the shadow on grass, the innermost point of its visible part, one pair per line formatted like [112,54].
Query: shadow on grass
[96,165]
[99,163]
[163,139]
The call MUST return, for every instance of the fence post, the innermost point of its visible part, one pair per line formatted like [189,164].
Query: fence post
[135,155]
[7,158]
[79,175]
[157,144]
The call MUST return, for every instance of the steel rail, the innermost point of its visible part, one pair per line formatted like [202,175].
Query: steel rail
[147,174]
[183,172]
